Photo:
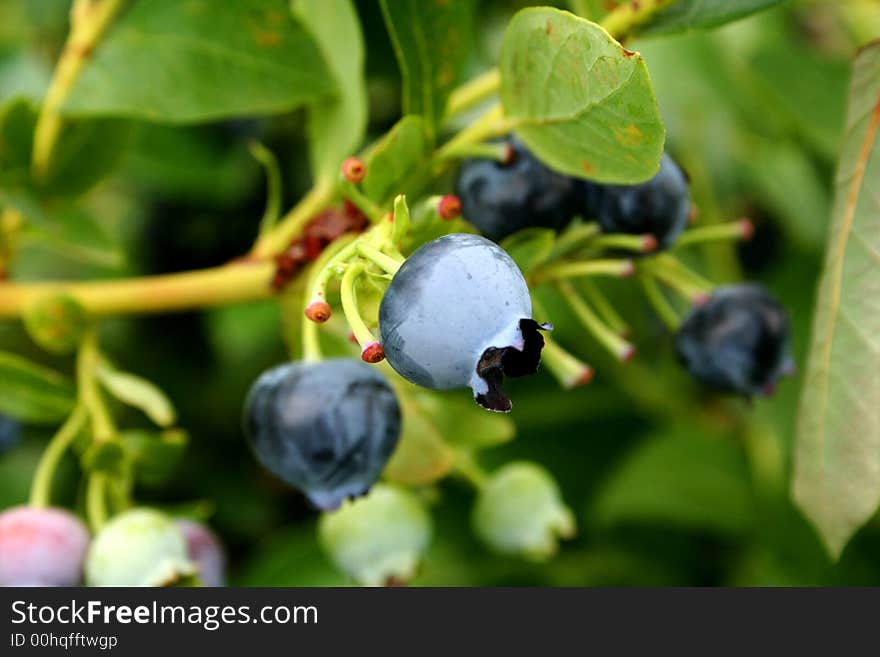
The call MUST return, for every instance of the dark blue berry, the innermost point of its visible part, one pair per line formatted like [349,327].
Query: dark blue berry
[502,198]
[325,428]
[738,341]
[458,314]
[659,207]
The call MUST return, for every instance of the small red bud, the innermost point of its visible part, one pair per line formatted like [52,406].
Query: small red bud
[449,207]
[628,268]
[354,169]
[649,243]
[585,377]
[319,311]
[373,353]
[352,338]
[746,229]
[628,353]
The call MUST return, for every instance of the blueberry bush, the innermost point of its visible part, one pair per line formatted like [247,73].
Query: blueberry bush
[447,292]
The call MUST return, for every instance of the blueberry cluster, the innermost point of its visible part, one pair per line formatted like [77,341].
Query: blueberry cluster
[501,198]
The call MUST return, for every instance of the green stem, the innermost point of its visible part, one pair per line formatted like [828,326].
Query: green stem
[604,307]
[401,221]
[386,263]
[41,487]
[689,284]
[621,349]
[630,15]
[89,21]
[273,185]
[88,360]
[573,239]
[569,370]
[349,305]
[563,271]
[233,283]
[293,223]
[659,302]
[350,191]
[491,124]
[737,230]
[469,470]
[634,243]
[96,500]
[473,92]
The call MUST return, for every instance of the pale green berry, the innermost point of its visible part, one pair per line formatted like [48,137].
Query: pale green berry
[520,512]
[141,547]
[378,539]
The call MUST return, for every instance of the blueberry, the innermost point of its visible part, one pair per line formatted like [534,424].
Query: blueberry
[205,551]
[658,207]
[458,314]
[738,341]
[10,433]
[41,547]
[502,198]
[326,428]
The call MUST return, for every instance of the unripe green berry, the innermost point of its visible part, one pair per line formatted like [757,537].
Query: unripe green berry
[141,547]
[520,512]
[378,539]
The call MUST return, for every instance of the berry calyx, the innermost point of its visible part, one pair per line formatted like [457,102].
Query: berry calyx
[319,311]
[373,353]
[449,207]
[737,341]
[326,428]
[354,170]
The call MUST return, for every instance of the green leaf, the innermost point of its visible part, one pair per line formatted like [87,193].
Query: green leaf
[86,151]
[336,126]
[837,459]
[393,165]
[138,392]
[684,480]
[33,394]
[155,456]
[431,40]
[197,60]
[578,99]
[74,234]
[696,14]
[529,248]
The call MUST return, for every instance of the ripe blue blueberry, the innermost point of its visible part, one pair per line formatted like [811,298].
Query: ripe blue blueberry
[658,207]
[738,341]
[502,198]
[325,428]
[10,433]
[458,314]
[205,551]
[41,547]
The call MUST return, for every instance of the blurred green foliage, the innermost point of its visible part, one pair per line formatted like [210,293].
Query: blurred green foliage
[670,486]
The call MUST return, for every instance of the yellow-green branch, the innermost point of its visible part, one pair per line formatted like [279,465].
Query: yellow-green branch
[89,20]
[233,283]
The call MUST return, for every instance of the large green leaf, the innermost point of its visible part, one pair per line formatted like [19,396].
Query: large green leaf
[336,125]
[837,466]
[197,60]
[431,39]
[695,14]
[393,164]
[32,393]
[578,99]
[682,480]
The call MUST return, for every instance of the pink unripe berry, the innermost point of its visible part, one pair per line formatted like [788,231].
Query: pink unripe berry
[41,547]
